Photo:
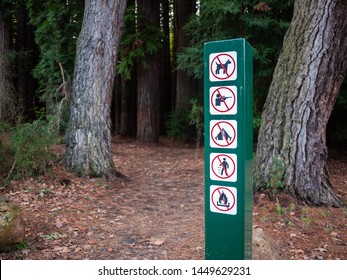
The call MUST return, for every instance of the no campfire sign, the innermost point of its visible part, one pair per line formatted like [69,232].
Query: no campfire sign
[228,91]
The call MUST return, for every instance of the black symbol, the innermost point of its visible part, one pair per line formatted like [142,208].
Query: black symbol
[223,167]
[220,99]
[223,135]
[223,66]
[223,200]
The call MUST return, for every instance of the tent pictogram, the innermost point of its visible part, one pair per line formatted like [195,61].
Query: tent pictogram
[223,100]
[223,200]
[223,134]
[223,66]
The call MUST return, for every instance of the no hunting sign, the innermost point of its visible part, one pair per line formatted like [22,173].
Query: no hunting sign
[228,91]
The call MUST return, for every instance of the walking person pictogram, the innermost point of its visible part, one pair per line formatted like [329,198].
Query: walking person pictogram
[225,166]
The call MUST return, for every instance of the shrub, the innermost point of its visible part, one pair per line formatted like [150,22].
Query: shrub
[31,146]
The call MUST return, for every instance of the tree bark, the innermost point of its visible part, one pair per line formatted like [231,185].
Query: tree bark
[7,102]
[184,85]
[148,105]
[311,67]
[88,151]
[27,59]
[166,76]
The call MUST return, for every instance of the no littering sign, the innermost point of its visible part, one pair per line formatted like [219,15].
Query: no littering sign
[223,167]
[228,118]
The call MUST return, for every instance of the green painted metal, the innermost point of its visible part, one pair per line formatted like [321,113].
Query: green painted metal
[228,115]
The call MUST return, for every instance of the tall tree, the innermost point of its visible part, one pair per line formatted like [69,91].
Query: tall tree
[183,10]
[148,104]
[7,100]
[88,147]
[166,74]
[311,67]
[27,56]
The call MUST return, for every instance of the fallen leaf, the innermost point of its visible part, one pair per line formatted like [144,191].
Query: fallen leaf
[156,241]
[65,250]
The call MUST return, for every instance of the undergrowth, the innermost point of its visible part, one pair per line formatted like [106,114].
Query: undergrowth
[27,152]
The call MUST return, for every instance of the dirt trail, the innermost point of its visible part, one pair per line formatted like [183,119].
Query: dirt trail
[159,212]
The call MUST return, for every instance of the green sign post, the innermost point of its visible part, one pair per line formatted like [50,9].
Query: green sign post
[228,101]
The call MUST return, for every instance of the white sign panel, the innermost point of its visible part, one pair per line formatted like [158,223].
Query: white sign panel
[223,134]
[223,200]
[223,167]
[223,100]
[223,66]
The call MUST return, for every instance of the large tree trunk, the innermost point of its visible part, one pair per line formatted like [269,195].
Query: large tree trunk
[292,150]
[88,151]
[7,104]
[165,79]
[183,10]
[27,58]
[148,105]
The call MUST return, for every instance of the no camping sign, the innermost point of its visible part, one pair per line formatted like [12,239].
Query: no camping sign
[228,99]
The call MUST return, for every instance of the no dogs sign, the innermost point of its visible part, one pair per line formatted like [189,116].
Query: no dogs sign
[228,93]
[223,66]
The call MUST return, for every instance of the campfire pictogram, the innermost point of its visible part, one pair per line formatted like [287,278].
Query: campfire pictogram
[223,200]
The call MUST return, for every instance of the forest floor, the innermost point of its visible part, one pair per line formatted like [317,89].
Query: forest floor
[158,213]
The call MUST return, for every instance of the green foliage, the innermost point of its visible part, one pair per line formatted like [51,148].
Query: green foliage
[196,119]
[31,146]
[135,43]
[52,236]
[177,125]
[277,171]
[186,125]
[57,25]
[217,19]
[21,245]
[263,24]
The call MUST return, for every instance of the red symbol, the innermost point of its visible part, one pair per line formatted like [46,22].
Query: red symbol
[219,97]
[223,199]
[223,134]
[223,66]
[225,166]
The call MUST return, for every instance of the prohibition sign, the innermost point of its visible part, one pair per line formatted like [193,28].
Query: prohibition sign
[223,66]
[223,167]
[223,134]
[223,100]
[223,200]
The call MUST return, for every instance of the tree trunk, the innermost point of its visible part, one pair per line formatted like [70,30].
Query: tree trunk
[27,59]
[148,109]
[183,10]
[7,104]
[165,79]
[88,151]
[292,150]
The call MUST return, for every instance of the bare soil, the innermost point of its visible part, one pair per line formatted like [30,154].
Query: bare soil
[158,213]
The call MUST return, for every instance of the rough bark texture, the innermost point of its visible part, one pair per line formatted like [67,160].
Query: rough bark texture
[6,99]
[26,61]
[88,150]
[184,9]
[311,67]
[148,105]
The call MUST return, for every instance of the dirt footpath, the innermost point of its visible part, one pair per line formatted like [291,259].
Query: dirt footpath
[159,212]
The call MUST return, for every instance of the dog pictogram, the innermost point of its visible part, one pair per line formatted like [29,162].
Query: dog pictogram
[223,66]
